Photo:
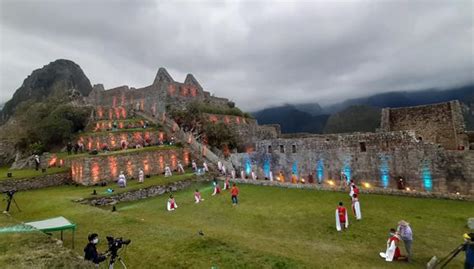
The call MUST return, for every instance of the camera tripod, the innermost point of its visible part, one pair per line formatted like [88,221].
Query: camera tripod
[115,257]
[9,200]
[434,263]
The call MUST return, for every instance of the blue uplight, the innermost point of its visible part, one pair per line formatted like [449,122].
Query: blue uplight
[347,168]
[248,164]
[320,170]
[294,169]
[266,167]
[384,170]
[426,175]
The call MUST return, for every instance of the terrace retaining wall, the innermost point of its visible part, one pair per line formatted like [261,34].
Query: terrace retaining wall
[37,182]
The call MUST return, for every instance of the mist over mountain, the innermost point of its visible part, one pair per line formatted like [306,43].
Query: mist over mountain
[360,114]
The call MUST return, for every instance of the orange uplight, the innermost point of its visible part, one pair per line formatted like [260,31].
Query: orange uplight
[111,113]
[52,161]
[121,125]
[113,166]
[171,89]
[330,182]
[61,162]
[129,168]
[190,138]
[366,185]
[124,113]
[100,112]
[117,111]
[237,120]
[173,161]
[186,157]
[407,188]
[161,136]
[226,119]
[112,141]
[146,166]
[95,172]
[213,118]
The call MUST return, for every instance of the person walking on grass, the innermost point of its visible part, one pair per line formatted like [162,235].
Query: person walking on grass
[234,192]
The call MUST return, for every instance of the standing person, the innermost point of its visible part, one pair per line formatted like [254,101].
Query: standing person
[122,181]
[226,183]
[69,148]
[242,174]
[356,207]
[270,175]
[37,162]
[224,170]
[234,192]
[180,167]
[206,168]
[351,186]
[194,165]
[168,171]
[254,175]
[219,166]
[232,173]
[310,178]
[406,235]
[401,183]
[171,204]
[342,222]
[197,197]
[469,249]
[141,175]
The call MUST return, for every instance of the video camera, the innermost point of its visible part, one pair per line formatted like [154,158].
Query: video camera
[10,193]
[116,243]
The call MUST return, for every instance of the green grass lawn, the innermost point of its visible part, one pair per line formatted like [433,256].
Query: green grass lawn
[28,173]
[270,228]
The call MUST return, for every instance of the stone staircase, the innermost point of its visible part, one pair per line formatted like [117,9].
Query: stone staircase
[196,148]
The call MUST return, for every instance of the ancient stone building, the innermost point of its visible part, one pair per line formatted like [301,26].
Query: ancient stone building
[438,123]
[426,145]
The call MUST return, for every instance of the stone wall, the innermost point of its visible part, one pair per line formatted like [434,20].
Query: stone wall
[94,169]
[35,182]
[438,123]
[363,190]
[375,158]
[115,139]
[139,194]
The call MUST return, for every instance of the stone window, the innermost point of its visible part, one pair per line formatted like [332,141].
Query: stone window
[282,149]
[270,149]
[362,147]
[293,148]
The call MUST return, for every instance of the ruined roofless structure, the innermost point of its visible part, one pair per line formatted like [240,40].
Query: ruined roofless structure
[426,145]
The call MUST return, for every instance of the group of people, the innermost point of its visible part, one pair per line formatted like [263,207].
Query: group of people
[402,233]
[171,204]
[342,221]
[122,180]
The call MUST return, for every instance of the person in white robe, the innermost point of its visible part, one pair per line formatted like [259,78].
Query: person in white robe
[232,173]
[197,197]
[194,165]
[270,175]
[356,207]
[168,171]
[180,167]
[242,174]
[254,175]
[122,181]
[219,166]
[342,221]
[171,204]
[224,170]
[141,175]
[206,168]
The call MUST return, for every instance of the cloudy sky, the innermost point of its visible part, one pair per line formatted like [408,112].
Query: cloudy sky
[256,53]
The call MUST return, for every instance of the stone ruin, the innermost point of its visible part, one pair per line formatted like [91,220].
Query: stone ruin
[425,145]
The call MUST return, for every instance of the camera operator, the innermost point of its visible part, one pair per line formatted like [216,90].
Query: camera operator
[90,251]
[469,249]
